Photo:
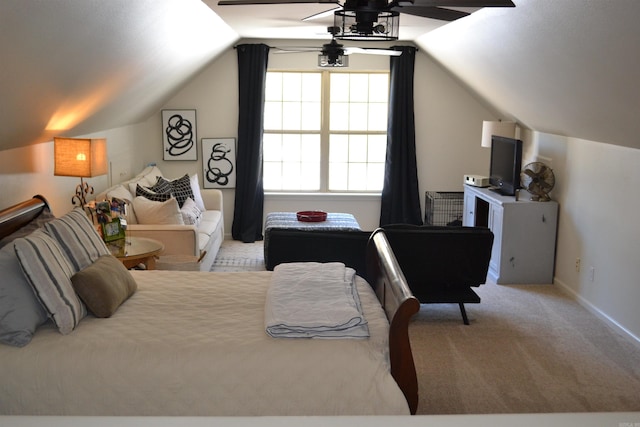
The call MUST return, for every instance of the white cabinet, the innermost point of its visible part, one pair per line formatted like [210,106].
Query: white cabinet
[524,234]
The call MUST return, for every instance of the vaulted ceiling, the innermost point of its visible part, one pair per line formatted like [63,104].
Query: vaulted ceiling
[568,67]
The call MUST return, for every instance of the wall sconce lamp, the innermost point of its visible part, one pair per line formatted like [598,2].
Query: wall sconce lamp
[489,128]
[80,157]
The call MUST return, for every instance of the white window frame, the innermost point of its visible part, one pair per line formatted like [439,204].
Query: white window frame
[325,134]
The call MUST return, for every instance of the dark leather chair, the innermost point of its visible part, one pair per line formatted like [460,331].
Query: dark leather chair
[442,263]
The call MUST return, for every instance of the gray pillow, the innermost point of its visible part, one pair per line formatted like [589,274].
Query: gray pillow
[77,236]
[49,272]
[20,311]
[104,285]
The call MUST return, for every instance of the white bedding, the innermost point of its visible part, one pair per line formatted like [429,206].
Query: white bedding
[192,343]
[314,300]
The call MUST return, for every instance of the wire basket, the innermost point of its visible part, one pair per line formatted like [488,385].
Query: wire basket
[443,208]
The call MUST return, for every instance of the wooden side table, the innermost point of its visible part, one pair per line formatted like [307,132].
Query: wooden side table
[136,250]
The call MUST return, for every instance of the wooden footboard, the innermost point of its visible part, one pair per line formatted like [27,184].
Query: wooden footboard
[400,305]
[17,216]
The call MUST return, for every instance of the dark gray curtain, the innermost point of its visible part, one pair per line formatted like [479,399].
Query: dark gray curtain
[400,198]
[249,201]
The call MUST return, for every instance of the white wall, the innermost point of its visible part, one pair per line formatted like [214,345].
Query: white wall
[448,129]
[27,171]
[596,185]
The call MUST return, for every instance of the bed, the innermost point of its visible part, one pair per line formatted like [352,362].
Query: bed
[194,343]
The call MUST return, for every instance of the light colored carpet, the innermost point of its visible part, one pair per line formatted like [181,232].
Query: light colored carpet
[528,349]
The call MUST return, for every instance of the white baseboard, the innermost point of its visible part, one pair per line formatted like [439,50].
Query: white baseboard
[595,310]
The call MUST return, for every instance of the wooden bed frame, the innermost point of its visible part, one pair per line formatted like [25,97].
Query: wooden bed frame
[384,276]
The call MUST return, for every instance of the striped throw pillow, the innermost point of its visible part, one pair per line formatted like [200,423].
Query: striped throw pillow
[49,272]
[79,239]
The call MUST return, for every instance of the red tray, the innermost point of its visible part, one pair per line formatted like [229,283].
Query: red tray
[311,216]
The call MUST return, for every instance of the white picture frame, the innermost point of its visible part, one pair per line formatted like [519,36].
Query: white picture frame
[219,162]
[179,136]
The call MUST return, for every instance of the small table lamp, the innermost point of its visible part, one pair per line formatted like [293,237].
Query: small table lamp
[80,157]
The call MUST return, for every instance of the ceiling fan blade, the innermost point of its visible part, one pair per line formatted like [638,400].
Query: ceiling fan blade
[370,51]
[295,49]
[431,12]
[257,2]
[465,3]
[324,14]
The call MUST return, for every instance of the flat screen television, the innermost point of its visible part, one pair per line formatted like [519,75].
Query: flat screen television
[506,161]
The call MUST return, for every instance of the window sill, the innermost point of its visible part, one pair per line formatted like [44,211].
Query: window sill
[323,196]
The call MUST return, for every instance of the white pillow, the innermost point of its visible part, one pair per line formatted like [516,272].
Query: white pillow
[197,196]
[120,192]
[191,214]
[150,212]
[146,178]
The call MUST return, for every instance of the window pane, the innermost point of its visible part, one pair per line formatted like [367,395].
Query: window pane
[311,87]
[339,148]
[273,88]
[358,105]
[357,176]
[290,148]
[272,147]
[359,88]
[310,148]
[273,115]
[292,87]
[338,177]
[339,116]
[377,151]
[377,117]
[358,148]
[358,117]
[310,116]
[339,87]
[379,88]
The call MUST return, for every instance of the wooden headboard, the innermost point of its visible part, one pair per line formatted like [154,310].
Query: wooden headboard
[17,216]
[392,290]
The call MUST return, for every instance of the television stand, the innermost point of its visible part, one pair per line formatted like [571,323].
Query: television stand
[524,234]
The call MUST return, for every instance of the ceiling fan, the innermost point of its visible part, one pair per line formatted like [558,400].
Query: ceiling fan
[378,19]
[334,54]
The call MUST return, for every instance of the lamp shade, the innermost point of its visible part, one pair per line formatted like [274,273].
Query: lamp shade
[507,129]
[80,157]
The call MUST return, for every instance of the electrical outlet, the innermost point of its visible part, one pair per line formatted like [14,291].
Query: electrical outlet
[577,265]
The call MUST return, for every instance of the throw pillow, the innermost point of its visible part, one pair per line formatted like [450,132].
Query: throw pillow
[104,285]
[149,194]
[20,311]
[191,214]
[120,192]
[48,271]
[151,212]
[197,196]
[79,239]
[180,188]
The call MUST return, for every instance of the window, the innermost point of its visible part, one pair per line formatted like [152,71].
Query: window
[325,131]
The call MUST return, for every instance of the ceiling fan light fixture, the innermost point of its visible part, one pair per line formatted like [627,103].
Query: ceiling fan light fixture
[332,60]
[366,25]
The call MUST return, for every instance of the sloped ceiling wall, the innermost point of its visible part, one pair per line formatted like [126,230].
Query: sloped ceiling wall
[71,67]
[567,67]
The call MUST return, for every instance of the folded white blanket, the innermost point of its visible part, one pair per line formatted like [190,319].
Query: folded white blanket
[314,300]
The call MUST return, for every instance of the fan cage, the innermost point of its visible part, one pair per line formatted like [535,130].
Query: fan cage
[443,208]
[366,25]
